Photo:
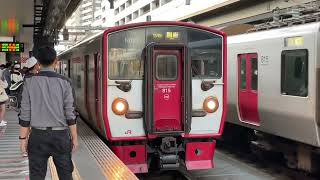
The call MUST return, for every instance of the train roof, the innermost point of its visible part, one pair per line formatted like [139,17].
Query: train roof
[151,23]
[275,33]
[82,42]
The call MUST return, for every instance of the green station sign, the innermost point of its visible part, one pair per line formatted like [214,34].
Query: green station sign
[11,47]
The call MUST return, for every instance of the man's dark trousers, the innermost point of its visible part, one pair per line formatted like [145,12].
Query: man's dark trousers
[45,143]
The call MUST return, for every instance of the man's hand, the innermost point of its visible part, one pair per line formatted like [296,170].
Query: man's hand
[23,146]
[75,144]
[24,132]
[74,137]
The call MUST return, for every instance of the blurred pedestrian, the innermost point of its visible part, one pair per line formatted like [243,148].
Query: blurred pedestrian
[2,67]
[16,75]
[3,97]
[33,66]
[15,89]
[52,119]
[6,76]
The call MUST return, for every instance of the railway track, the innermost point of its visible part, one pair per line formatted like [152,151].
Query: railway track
[237,163]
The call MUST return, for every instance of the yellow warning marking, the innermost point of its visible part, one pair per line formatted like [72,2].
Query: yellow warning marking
[75,173]
[54,174]
[53,170]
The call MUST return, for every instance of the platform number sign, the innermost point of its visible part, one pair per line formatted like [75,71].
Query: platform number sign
[11,47]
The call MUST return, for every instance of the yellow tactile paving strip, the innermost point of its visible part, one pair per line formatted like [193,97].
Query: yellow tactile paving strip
[54,174]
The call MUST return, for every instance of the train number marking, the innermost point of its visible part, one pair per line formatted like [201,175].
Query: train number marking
[264,60]
[166,90]
[128,132]
[166,97]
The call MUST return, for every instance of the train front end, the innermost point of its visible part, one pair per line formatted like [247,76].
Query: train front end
[164,95]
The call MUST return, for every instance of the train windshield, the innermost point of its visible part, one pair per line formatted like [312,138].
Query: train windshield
[126,50]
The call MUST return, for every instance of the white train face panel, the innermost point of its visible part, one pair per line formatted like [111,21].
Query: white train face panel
[143,82]
[212,121]
[288,116]
[120,126]
[144,58]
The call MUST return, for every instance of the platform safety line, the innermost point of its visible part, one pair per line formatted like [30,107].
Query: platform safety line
[54,174]
[53,170]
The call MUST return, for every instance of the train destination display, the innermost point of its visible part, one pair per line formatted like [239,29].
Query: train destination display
[11,47]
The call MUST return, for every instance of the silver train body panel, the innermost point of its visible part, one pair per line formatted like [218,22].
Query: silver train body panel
[291,117]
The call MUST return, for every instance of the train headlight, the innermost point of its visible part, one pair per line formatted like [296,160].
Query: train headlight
[211,104]
[120,106]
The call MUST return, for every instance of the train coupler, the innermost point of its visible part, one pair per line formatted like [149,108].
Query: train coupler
[169,161]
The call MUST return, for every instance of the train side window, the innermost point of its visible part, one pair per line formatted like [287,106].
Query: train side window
[294,72]
[68,69]
[167,67]
[254,74]
[243,73]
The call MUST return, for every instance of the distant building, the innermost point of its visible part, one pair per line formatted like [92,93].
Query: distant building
[85,14]
[105,16]
[131,11]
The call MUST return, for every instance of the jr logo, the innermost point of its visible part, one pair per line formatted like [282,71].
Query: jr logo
[128,132]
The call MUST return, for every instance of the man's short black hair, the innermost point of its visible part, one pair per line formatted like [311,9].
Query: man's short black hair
[46,55]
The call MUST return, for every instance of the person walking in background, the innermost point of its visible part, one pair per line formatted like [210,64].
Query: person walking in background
[33,66]
[15,89]
[6,76]
[16,75]
[52,119]
[2,67]
[3,96]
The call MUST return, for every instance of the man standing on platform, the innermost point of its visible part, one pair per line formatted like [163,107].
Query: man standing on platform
[47,109]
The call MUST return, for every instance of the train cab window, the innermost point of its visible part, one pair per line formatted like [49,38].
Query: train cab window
[294,72]
[206,56]
[254,74]
[126,50]
[205,66]
[125,54]
[166,67]
[243,74]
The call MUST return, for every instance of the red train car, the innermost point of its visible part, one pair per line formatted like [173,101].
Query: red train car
[155,90]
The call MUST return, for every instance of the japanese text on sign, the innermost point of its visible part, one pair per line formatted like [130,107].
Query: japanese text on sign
[11,47]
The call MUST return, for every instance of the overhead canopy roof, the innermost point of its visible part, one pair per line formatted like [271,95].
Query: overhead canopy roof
[34,21]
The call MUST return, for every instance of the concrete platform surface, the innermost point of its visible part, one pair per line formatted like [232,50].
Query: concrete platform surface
[92,161]
[229,166]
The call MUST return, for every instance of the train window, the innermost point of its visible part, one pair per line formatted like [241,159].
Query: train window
[166,67]
[243,73]
[254,74]
[294,72]
[78,81]
[68,69]
[126,50]
[206,56]
[125,54]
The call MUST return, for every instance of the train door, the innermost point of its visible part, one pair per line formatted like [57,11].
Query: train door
[96,90]
[87,85]
[69,69]
[248,88]
[167,92]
